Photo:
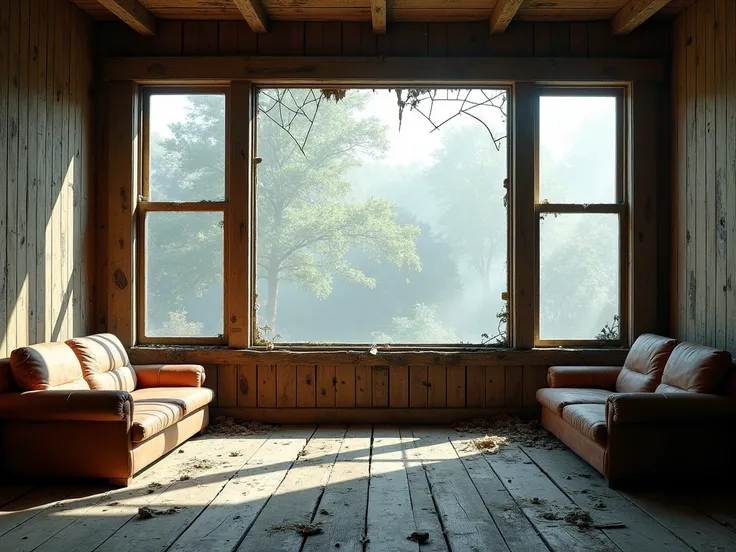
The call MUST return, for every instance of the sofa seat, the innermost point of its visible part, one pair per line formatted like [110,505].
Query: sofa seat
[589,420]
[556,399]
[158,408]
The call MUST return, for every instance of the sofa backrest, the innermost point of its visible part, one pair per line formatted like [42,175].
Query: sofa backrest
[46,366]
[104,362]
[696,368]
[7,383]
[644,365]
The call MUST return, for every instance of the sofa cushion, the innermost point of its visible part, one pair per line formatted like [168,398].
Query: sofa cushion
[156,408]
[557,399]
[104,362]
[696,369]
[589,420]
[46,366]
[644,364]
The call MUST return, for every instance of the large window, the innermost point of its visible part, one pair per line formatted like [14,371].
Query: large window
[182,217]
[381,216]
[581,217]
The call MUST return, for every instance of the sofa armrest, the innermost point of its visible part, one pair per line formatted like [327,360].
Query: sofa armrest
[596,377]
[169,375]
[624,408]
[78,405]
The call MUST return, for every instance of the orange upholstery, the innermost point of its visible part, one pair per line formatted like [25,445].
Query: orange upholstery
[645,363]
[170,375]
[46,366]
[557,399]
[697,369]
[79,409]
[104,362]
[638,432]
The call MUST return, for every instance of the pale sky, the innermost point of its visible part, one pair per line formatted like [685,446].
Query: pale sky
[415,143]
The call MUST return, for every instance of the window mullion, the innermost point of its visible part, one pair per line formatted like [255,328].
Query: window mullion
[523,217]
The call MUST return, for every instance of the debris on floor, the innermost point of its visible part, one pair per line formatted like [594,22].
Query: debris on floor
[225,425]
[580,518]
[235,453]
[154,485]
[324,512]
[185,477]
[515,430]
[306,529]
[610,525]
[146,512]
[535,500]
[489,444]
[549,516]
[419,536]
[600,505]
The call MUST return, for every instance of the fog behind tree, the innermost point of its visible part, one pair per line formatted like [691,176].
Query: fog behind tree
[357,244]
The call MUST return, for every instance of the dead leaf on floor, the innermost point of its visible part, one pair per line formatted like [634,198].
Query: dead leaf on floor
[419,536]
[324,512]
[489,444]
[600,505]
[147,512]
[113,503]
[235,453]
[580,518]
[517,431]
[550,516]
[535,500]
[154,485]
[225,425]
[306,529]
[184,477]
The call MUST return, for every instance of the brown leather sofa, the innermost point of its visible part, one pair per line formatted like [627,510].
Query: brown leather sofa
[79,409]
[666,414]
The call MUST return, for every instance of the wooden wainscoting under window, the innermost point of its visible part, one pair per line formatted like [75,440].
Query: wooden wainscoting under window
[348,387]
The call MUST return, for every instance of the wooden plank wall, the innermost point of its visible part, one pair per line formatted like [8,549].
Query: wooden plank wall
[704,161]
[46,176]
[578,39]
[279,389]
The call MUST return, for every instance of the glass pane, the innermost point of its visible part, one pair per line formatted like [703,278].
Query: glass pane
[187,147]
[380,226]
[579,276]
[184,269]
[577,149]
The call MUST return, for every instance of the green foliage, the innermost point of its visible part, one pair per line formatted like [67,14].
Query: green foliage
[423,326]
[178,325]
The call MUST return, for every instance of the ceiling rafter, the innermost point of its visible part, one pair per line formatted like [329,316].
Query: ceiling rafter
[254,14]
[503,12]
[132,14]
[634,13]
[378,16]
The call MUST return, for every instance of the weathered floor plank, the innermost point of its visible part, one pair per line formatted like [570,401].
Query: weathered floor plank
[426,518]
[390,516]
[234,509]
[518,533]
[295,500]
[341,511]
[368,489]
[543,503]
[464,516]
[587,488]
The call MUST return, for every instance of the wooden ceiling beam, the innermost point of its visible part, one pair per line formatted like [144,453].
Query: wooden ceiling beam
[378,16]
[634,13]
[254,13]
[503,13]
[132,14]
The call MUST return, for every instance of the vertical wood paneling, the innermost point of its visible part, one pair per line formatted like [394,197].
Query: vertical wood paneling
[514,386]
[247,386]
[200,38]
[437,391]
[455,386]
[398,380]
[418,386]
[363,386]
[325,385]
[305,377]
[286,386]
[45,72]
[495,386]
[345,386]
[266,385]
[704,113]
[529,385]
[227,385]
[475,381]
[379,376]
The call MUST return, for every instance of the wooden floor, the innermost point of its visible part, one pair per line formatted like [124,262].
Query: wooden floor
[368,488]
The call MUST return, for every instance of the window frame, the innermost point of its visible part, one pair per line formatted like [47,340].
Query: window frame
[388,85]
[621,93]
[144,206]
